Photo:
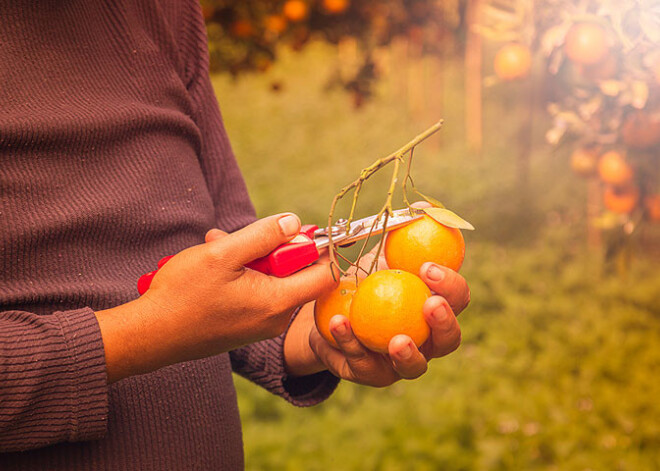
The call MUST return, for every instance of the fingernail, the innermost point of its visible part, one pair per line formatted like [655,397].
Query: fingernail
[341,328]
[435,273]
[440,313]
[406,352]
[290,224]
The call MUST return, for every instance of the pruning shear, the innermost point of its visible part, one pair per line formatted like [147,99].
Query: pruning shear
[303,250]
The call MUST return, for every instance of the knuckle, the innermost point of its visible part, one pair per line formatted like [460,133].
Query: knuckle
[217,255]
[272,229]
[468,297]
[356,353]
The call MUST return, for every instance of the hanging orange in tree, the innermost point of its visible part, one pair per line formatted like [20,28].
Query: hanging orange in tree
[613,168]
[388,303]
[652,205]
[586,43]
[242,29]
[275,24]
[424,240]
[512,62]
[584,161]
[296,10]
[337,301]
[335,7]
[621,199]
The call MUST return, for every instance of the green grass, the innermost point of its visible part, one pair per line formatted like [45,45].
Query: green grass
[560,360]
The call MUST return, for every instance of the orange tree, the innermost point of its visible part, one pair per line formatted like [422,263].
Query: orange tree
[601,71]
[246,35]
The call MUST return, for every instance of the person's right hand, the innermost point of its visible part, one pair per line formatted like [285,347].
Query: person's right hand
[203,301]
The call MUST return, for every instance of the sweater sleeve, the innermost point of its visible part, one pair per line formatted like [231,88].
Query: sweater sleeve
[53,384]
[263,362]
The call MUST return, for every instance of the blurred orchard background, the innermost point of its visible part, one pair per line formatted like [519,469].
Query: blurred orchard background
[550,147]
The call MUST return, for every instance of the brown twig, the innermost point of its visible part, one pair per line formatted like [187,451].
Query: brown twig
[356,186]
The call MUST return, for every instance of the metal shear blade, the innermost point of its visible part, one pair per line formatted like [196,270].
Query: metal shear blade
[366,227]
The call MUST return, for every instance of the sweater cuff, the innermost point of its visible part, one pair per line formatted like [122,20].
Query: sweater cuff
[301,391]
[87,373]
[263,364]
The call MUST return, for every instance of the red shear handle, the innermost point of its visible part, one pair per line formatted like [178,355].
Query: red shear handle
[283,261]
[145,280]
[287,258]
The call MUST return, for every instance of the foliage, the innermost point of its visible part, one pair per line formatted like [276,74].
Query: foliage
[556,371]
[247,35]
[559,363]
[601,60]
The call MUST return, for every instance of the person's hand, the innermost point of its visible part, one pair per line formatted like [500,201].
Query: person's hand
[203,301]
[354,362]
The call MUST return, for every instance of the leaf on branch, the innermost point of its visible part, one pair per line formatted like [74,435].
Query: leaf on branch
[554,135]
[448,218]
[429,199]
[496,34]
[611,87]
[553,38]
[640,94]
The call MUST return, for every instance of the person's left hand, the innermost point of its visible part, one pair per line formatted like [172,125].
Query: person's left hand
[354,362]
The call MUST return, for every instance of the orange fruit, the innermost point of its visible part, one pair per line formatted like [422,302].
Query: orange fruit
[424,240]
[335,7]
[337,301]
[652,205]
[296,10]
[242,29]
[586,43]
[584,161]
[621,199]
[640,130]
[613,168]
[512,62]
[388,303]
[275,24]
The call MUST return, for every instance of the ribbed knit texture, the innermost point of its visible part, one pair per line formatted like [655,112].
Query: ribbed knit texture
[112,155]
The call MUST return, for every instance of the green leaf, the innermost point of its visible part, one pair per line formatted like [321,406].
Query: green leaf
[429,199]
[448,218]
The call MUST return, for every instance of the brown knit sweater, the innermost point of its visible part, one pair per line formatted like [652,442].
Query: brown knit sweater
[112,155]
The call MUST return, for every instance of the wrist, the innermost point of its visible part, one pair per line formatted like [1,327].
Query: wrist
[131,340]
[299,358]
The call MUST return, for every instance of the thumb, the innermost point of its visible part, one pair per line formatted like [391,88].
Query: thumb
[259,238]
[214,234]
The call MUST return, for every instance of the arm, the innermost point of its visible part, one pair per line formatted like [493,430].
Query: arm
[204,302]
[53,384]
[52,379]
